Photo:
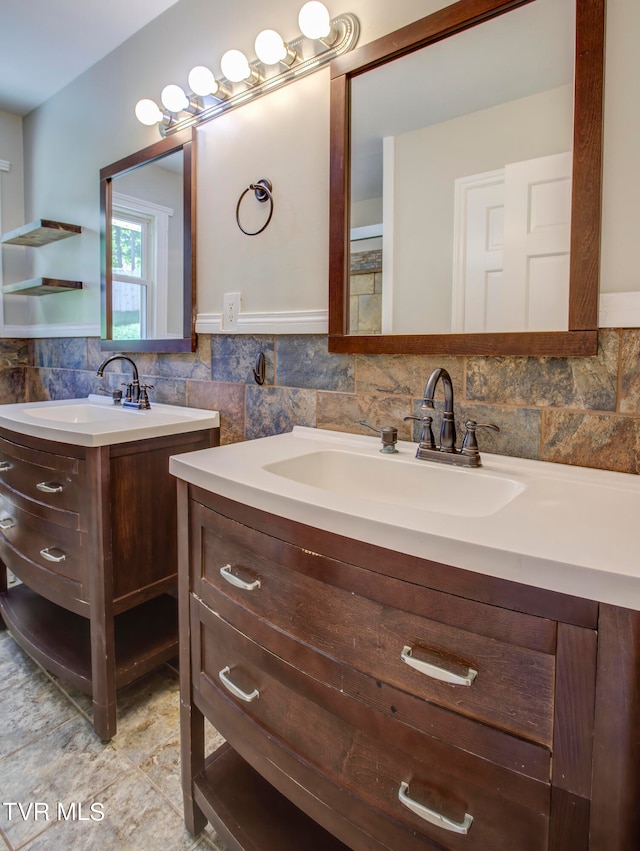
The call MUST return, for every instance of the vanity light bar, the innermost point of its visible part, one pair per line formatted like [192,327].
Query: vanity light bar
[322,39]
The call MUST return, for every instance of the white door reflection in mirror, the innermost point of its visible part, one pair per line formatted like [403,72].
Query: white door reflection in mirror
[498,93]
[518,279]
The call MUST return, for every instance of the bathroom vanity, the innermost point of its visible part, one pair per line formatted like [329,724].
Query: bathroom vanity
[448,660]
[87,523]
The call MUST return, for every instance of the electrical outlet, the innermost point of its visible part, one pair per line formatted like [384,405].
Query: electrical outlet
[231,310]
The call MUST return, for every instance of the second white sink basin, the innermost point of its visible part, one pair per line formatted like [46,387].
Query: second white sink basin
[392,479]
[83,412]
[96,421]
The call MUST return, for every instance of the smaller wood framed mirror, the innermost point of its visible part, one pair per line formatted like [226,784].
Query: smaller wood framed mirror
[439,132]
[147,206]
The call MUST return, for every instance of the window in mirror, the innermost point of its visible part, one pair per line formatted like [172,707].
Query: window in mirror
[147,299]
[461,141]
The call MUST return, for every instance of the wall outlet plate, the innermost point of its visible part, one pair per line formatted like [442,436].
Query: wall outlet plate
[231,305]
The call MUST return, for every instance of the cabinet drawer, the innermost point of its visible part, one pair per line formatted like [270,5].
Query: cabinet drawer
[374,758]
[47,479]
[500,683]
[50,559]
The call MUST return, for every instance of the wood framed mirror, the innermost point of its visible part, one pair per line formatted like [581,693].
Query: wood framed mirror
[455,70]
[147,207]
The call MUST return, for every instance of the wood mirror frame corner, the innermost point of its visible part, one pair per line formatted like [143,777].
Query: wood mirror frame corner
[581,338]
[180,141]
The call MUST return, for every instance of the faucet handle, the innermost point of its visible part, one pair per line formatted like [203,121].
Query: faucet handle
[427,440]
[129,393]
[470,444]
[389,435]
[144,396]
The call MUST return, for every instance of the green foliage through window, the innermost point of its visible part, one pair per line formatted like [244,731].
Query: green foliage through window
[126,242]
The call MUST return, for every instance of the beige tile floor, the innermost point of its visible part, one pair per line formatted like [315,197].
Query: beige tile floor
[50,756]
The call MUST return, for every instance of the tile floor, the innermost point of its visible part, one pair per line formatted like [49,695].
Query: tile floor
[50,756]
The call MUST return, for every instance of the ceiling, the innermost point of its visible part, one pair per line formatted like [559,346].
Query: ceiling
[44,44]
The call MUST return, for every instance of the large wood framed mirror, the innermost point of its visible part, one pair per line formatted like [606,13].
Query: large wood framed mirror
[147,205]
[466,157]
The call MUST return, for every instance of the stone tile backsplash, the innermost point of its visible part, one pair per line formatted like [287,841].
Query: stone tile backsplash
[583,411]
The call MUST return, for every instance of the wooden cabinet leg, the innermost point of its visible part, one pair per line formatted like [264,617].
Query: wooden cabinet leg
[103,676]
[192,761]
[3,588]
[191,719]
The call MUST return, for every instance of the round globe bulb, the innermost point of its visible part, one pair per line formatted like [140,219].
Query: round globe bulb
[270,48]
[235,66]
[148,112]
[174,99]
[201,81]
[314,20]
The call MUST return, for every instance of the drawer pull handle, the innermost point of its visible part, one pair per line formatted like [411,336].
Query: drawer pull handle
[5,465]
[50,487]
[432,816]
[233,688]
[7,523]
[435,671]
[234,580]
[53,554]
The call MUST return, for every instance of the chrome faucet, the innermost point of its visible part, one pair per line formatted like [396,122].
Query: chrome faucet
[446,452]
[448,427]
[136,395]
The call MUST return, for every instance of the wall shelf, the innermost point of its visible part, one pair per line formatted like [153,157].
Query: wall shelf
[41,286]
[41,232]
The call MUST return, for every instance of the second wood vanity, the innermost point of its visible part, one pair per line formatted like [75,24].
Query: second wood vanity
[374,699]
[91,533]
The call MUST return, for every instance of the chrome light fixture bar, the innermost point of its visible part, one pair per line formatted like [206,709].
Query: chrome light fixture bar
[322,39]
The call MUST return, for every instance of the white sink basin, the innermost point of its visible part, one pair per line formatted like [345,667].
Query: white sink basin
[567,529]
[83,412]
[395,479]
[96,421]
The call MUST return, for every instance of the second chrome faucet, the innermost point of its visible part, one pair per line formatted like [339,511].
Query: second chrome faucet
[446,452]
[136,395]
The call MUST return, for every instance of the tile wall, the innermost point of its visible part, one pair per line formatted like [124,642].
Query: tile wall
[583,411]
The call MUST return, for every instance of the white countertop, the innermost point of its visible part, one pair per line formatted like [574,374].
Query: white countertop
[568,529]
[96,421]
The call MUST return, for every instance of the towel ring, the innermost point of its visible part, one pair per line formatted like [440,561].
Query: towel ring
[262,191]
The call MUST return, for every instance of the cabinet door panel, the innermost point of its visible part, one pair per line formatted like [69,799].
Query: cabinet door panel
[54,481]
[513,688]
[368,755]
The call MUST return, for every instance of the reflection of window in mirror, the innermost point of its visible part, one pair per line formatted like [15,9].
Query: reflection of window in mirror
[139,268]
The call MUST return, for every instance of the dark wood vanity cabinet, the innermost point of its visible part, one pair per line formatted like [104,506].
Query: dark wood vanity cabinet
[319,658]
[91,534]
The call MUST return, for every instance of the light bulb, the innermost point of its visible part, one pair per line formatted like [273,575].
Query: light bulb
[148,112]
[201,81]
[235,66]
[270,48]
[174,99]
[314,20]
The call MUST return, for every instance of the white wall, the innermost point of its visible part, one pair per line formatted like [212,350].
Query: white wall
[432,159]
[15,262]
[284,136]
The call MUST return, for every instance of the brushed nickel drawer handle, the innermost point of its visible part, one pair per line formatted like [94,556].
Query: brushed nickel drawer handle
[5,465]
[53,554]
[435,671]
[50,487]
[233,688]
[234,580]
[7,523]
[432,816]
